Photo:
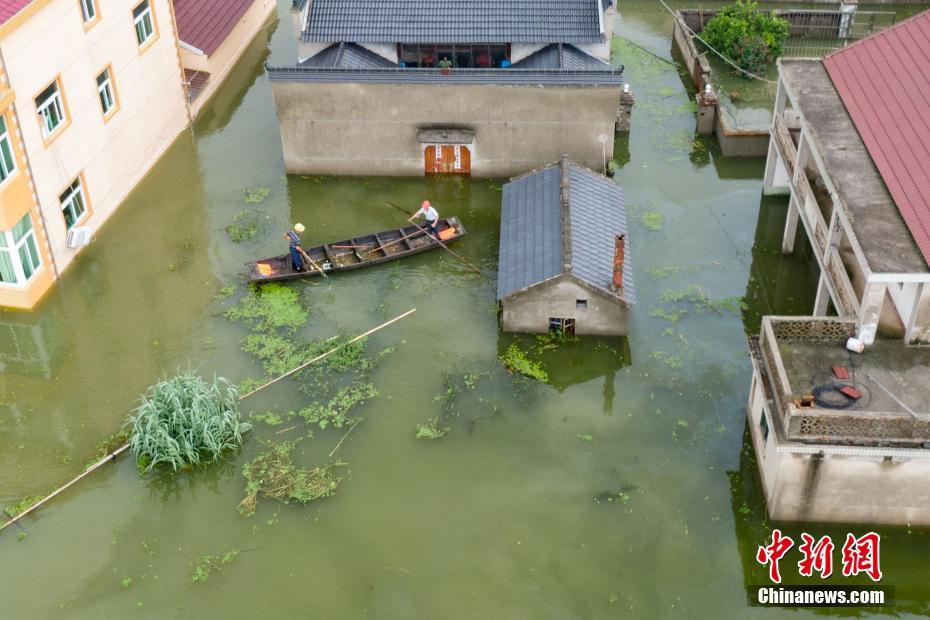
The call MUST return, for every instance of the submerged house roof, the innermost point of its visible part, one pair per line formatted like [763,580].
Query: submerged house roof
[549,228]
[455,21]
[205,24]
[884,83]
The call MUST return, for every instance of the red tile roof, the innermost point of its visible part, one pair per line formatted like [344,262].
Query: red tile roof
[884,82]
[9,8]
[205,24]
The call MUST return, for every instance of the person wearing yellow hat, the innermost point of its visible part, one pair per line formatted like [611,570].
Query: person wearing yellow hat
[430,215]
[293,238]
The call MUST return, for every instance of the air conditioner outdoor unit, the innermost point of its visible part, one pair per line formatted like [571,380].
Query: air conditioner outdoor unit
[78,236]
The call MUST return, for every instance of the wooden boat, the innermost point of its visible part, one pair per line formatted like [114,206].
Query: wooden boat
[356,252]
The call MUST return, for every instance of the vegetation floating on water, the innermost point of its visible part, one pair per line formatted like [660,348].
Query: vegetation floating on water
[703,302]
[431,430]
[185,421]
[653,220]
[274,475]
[245,225]
[269,308]
[14,510]
[204,565]
[256,196]
[336,411]
[515,360]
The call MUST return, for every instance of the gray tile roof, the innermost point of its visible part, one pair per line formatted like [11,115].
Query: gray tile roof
[454,21]
[347,56]
[562,56]
[531,244]
[406,75]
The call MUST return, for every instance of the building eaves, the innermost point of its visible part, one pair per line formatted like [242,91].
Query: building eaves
[562,56]
[347,56]
[205,24]
[9,8]
[407,75]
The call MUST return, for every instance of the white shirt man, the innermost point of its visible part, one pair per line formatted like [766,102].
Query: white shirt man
[429,214]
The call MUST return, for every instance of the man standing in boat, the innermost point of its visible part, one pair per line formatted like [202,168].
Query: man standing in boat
[430,215]
[293,238]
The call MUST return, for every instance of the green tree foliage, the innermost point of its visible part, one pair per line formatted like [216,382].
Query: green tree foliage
[749,37]
[185,421]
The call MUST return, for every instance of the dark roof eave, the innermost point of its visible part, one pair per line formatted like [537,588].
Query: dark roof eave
[510,76]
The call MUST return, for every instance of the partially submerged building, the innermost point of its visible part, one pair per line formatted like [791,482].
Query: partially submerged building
[564,254]
[842,436]
[463,86]
[92,94]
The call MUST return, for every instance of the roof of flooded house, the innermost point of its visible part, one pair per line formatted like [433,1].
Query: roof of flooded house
[876,221]
[533,242]
[561,56]
[406,75]
[9,8]
[347,56]
[884,82]
[455,21]
[205,24]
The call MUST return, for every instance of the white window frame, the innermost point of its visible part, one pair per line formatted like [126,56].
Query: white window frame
[106,92]
[7,154]
[72,196]
[55,102]
[11,247]
[148,26]
[88,10]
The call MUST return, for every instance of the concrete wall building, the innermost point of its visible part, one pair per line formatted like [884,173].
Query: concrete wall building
[843,436]
[564,258]
[92,93]
[512,85]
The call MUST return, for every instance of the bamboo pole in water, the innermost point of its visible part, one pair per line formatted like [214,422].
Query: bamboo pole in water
[112,456]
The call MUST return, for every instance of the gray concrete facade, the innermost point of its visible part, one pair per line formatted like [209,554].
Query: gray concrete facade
[530,309]
[372,128]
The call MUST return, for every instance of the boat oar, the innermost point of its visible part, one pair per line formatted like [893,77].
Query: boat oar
[310,260]
[437,240]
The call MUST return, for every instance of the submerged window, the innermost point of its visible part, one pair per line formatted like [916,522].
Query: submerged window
[73,204]
[565,326]
[19,253]
[142,18]
[7,162]
[50,108]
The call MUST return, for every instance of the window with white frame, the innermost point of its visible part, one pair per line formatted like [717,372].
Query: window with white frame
[73,204]
[142,18]
[50,108]
[7,162]
[88,10]
[19,253]
[105,90]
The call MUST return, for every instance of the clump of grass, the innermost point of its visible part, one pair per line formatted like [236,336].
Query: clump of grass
[185,421]
[206,564]
[245,226]
[431,430]
[274,475]
[515,360]
[14,510]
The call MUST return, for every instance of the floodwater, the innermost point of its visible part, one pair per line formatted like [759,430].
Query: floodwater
[624,488]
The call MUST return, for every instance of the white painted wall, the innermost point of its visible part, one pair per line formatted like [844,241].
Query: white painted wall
[114,155]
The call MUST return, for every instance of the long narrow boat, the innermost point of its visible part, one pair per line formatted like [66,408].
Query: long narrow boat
[356,252]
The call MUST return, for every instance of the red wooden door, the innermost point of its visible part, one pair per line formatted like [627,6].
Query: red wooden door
[447,159]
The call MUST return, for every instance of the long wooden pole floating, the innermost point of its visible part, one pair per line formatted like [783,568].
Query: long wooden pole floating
[112,456]
[437,240]
[330,352]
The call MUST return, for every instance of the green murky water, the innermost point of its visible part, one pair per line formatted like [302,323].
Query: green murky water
[625,488]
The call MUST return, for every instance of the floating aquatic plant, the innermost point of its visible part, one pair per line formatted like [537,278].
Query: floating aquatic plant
[256,196]
[185,421]
[516,361]
[431,430]
[206,564]
[14,510]
[269,308]
[274,475]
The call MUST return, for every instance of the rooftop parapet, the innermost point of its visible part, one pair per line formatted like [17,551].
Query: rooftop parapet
[796,356]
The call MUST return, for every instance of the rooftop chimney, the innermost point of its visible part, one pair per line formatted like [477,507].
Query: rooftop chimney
[619,246]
